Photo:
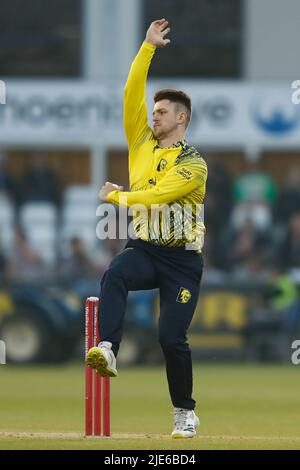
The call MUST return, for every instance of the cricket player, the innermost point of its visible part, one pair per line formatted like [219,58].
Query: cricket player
[165,173]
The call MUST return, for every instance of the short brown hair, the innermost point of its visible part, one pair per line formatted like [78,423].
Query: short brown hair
[176,96]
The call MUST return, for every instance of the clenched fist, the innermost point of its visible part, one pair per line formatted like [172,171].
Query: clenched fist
[108,188]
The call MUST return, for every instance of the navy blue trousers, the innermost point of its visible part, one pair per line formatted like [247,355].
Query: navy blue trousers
[177,273]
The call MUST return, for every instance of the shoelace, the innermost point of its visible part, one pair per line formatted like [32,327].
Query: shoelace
[180,418]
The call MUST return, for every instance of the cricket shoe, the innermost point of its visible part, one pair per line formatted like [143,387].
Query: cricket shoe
[185,422]
[102,359]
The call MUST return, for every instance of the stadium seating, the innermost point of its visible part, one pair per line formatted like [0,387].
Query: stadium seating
[79,216]
[80,194]
[39,222]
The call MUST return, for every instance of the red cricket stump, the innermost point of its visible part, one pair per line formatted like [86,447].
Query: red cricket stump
[97,389]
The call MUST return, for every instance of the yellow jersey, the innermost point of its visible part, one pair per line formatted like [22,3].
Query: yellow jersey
[169,183]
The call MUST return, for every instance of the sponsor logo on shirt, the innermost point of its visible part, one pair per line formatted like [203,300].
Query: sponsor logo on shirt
[187,174]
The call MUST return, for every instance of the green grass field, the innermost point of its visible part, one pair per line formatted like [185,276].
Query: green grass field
[240,407]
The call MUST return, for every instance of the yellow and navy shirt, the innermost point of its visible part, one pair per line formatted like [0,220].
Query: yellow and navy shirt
[167,182]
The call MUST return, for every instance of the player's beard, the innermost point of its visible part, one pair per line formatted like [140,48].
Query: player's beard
[158,132]
[161,132]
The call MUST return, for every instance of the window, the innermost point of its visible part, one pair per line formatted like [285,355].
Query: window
[205,38]
[40,38]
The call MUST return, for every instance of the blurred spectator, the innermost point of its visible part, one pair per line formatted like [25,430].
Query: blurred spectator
[252,270]
[255,186]
[218,200]
[239,245]
[211,272]
[78,264]
[40,182]
[289,200]
[7,184]
[112,247]
[107,250]
[281,291]
[85,272]
[271,328]
[254,193]
[24,262]
[3,264]
[289,249]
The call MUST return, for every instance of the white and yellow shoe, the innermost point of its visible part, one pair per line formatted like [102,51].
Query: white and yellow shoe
[185,422]
[102,359]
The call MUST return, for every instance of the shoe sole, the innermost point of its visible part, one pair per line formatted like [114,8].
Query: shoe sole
[181,436]
[96,360]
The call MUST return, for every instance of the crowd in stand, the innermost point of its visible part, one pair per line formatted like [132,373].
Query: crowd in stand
[252,226]
[38,182]
[23,260]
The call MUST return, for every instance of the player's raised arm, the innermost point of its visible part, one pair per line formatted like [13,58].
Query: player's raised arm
[135,109]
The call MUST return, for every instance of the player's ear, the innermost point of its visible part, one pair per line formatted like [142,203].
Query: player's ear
[181,118]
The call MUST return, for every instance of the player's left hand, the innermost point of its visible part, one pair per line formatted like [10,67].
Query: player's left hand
[156,33]
[108,188]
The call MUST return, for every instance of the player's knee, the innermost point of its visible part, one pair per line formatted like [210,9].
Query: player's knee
[114,273]
[173,344]
[168,343]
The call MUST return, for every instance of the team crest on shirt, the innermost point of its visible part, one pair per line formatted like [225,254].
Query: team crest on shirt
[162,164]
[184,295]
